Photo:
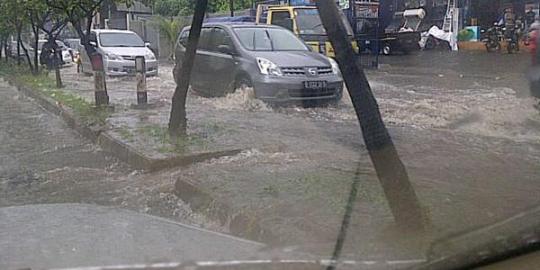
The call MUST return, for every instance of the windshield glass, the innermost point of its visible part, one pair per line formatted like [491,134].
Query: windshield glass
[269,39]
[120,40]
[224,142]
[309,22]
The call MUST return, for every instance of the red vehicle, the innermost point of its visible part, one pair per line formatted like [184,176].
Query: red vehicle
[532,43]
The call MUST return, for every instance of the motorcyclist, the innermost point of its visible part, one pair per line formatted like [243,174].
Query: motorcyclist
[509,22]
[47,55]
[50,54]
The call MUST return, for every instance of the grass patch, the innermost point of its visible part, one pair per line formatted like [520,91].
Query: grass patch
[126,134]
[167,144]
[332,188]
[47,86]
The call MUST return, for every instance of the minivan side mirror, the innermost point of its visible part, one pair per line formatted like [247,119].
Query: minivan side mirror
[226,49]
[92,43]
[147,44]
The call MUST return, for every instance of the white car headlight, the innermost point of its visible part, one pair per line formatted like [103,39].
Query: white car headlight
[113,56]
[150,56]
[335,66]
[268,68]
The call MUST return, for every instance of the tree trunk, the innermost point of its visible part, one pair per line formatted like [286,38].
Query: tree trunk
[18,46]
[7,52]
[390,170]
[178,120]
[57,59]
[26,54]
[58,77]
[36,44]
[231,7]
[1,48]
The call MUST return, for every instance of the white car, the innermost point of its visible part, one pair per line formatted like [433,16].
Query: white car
[119,49]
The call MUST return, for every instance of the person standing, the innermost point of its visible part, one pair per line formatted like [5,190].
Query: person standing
[534,72]
[530,17]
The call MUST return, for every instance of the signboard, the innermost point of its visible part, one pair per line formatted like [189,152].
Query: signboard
[344,4]
[302,2]
[367,10]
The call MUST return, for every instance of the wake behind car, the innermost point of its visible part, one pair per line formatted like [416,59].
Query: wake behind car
[119,49]
[276,63]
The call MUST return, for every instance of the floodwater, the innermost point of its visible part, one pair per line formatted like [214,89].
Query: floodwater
[463,124]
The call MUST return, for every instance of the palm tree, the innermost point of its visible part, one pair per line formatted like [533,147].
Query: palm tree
[169,28]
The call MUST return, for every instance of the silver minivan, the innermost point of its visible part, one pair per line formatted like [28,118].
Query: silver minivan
[119,49]
[271,59]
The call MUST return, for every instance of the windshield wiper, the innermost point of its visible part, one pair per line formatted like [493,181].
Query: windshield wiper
[516,235]
[271,42]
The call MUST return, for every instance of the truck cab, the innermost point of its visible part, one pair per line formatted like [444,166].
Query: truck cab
[305,22]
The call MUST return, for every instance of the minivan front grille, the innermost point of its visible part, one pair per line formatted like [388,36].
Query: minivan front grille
[128,57]
[293,71]
[302,71]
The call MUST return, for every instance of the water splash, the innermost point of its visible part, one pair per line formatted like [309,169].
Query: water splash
[241,100]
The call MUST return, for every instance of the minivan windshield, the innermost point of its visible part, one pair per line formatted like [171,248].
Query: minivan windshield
[120,40]
[269,39]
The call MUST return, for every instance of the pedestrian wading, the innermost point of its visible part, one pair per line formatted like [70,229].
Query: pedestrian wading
[390,170]
[178,120]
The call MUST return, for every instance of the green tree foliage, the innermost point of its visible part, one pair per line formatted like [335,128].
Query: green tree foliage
[170,28]
[15,14]
[6,30]
[80,13]
[171,8]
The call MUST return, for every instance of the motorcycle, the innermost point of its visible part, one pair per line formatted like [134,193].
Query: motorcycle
[512,37]
[493,37]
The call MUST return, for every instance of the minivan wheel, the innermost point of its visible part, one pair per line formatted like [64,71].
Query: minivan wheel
[242,82]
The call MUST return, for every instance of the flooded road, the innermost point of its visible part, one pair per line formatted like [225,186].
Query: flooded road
[44,161]
[465,128]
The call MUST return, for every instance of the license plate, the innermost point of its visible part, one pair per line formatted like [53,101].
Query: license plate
[315,84]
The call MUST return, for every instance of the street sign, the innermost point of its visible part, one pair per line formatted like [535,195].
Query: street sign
[344,4]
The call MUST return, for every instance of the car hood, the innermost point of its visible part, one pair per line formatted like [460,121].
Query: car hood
[131,51]
[295,58]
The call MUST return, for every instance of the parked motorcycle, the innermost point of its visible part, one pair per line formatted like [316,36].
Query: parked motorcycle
[493,37]
[512,37]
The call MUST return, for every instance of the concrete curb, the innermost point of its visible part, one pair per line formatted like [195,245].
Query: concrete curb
[111,145]
[241,223]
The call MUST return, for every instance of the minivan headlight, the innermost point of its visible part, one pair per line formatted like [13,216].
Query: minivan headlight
[150,56]
[267,67]
[113,56]
[335,66]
